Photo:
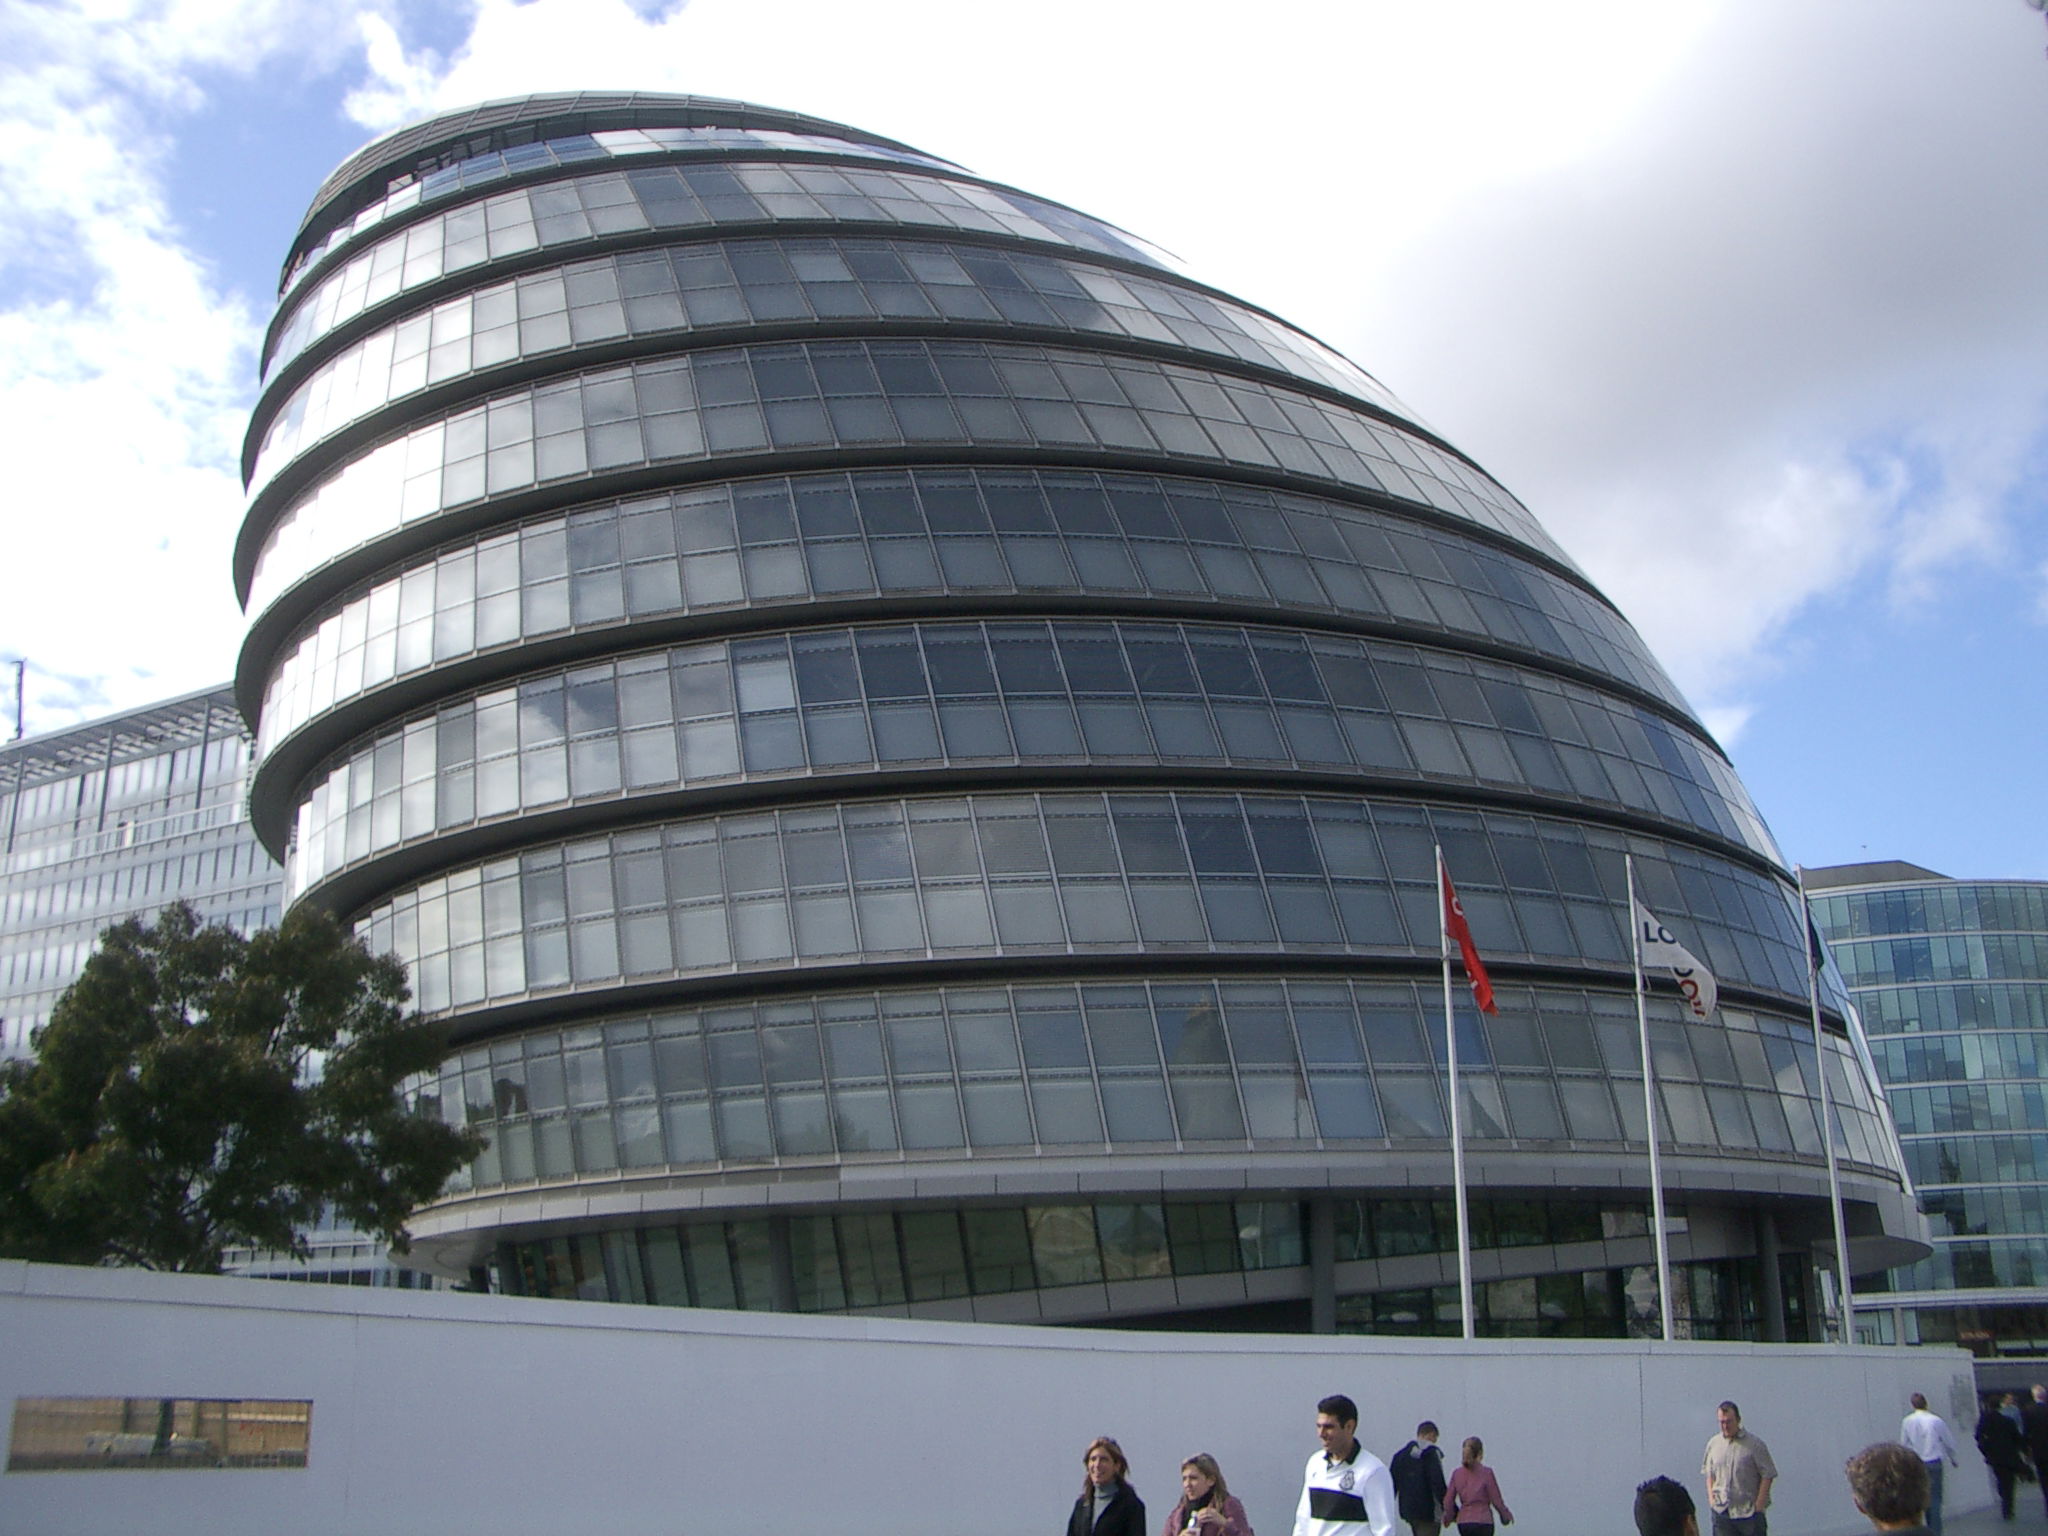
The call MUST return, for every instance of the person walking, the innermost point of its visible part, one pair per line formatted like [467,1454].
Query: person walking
[1206,1507]
[1109,1505]
[1739,1473]
[1418,1473]
[2004,1448]
[2034,1425]
[1927,1435]
[1473,1494]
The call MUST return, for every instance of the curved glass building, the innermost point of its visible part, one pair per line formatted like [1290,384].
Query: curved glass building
[905,734]
[1951,980]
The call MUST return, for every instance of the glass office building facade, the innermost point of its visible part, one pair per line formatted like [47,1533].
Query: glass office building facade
[114,819]
[1951,980]
[119,818]
[905,735]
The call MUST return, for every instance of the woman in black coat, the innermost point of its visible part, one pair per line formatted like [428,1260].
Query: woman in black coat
[2004,1447]
[1107,1506]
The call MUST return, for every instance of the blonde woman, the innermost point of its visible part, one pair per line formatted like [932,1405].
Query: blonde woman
[1206,1507]
[1473,1494]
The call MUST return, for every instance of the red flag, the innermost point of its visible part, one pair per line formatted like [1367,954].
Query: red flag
[1455,925]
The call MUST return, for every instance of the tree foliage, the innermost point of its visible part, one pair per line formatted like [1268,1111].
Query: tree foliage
[197,1090]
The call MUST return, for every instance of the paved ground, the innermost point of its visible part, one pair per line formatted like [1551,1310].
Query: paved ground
[2029,1515]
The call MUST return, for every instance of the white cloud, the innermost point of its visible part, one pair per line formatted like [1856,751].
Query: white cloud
[124,369]
[1973,460]
[399,87]
[1782,332]
[514,48]
[1727,723]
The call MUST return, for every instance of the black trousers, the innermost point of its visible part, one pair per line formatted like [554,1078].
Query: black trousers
[2003,1477]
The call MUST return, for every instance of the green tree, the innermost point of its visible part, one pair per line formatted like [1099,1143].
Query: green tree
[197,1090]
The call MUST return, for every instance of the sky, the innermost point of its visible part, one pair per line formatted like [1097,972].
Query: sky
[1747,301]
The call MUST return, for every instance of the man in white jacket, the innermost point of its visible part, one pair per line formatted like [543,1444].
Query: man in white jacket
[1345,1489]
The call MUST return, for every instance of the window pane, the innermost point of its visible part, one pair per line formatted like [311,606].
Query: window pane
[935,1263]
[998,1250]
[1063,1245]
[1066,1111]
[1133,1241]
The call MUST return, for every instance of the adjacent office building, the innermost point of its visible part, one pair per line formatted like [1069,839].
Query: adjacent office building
[1951,979]
[114,819]
[905,735]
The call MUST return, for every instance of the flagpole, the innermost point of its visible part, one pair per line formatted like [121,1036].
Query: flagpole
[1635,951]
[1827,1119]
[1443,927]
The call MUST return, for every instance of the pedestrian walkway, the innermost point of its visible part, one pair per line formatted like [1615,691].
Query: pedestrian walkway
[2028,1516]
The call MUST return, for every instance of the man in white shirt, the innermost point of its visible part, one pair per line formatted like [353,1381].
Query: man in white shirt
[1345,1489]
[1925,1434]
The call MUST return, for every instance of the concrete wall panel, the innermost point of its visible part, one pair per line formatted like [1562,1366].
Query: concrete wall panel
[451,1414]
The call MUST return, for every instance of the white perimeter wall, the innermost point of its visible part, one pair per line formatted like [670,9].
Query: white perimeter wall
[443,1413]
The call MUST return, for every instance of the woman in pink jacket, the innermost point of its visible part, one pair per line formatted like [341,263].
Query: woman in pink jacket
[1206,1507]
[1473,1495]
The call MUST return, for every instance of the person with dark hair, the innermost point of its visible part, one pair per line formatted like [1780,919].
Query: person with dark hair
[1739,1473]
[1108,1505]
[1473,1494]
[1889,1484]
[2034,1423]
[1664,1508]
[1345,1489]
[2004,1449]
[1206,1507]
[1927,1435]
[1418,1473]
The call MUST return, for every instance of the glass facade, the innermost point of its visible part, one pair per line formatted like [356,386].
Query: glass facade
[742,409]
[759,178]
[948,539]
[1060,874]
[1019,695]
[936,1253]
[1951,979]
[118,819]
[115,819]
[750,284]
[1121,1064]
[1714,1299]
[1189,1255]
[831,670]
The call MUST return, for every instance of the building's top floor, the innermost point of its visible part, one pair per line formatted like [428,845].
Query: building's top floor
[1875,872]
[1977,928]
[129,778]
[516,121]
[206,715]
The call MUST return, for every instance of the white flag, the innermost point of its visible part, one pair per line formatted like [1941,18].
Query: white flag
[1656,946]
